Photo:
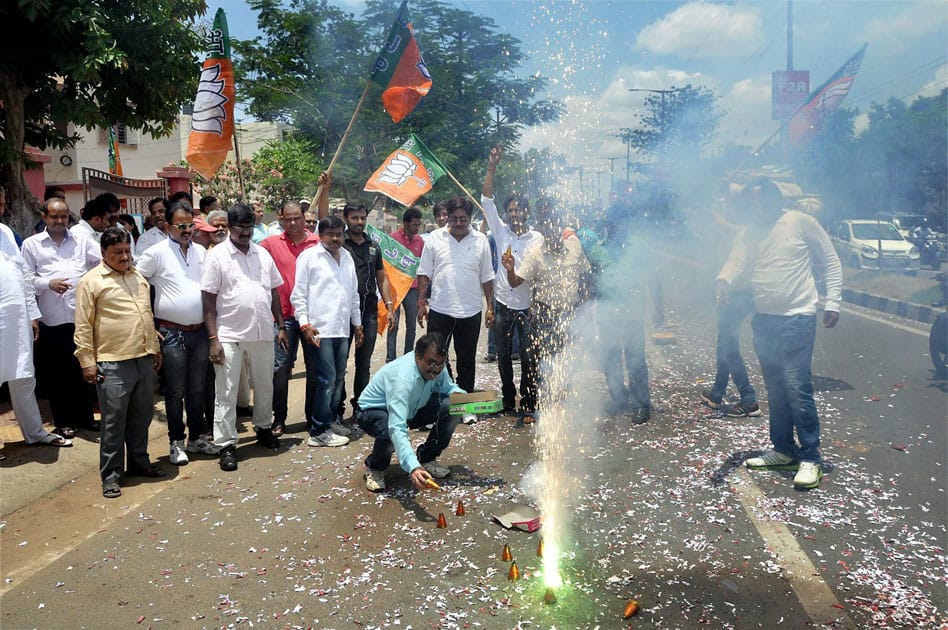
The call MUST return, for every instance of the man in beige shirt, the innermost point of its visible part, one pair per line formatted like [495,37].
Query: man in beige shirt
[118,351]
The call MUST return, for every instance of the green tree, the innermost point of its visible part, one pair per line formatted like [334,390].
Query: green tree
[311,61]
[92,64]
[280,171]
[676,122]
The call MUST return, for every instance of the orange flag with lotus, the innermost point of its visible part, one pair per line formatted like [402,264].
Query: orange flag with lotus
[212,123]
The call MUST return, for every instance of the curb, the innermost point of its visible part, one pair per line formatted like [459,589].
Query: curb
[917,312]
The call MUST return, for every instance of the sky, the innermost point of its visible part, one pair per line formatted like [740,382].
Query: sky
[593,52]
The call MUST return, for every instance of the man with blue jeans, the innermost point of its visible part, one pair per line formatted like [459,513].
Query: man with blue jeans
[409,393]
[285,248]
[326,301]
[729,362]
[173,267]
[779,249]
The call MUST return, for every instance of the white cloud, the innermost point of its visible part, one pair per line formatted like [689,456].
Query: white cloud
[587,131]
[747,119]
[705,30]
[900,32]
[938,83]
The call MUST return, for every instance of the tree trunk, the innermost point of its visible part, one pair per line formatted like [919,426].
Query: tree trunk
[25,207]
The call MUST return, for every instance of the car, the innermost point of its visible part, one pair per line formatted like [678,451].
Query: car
[858,243]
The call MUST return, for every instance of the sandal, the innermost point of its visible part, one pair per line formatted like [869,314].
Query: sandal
[65,432]
[53,439]
[111,490]
[278,428]
[152,471]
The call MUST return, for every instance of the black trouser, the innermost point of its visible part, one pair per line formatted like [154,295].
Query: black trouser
[363,357]
[507,323]
[465,333]
[70,397]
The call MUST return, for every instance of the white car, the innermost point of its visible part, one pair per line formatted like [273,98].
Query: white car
[858,243]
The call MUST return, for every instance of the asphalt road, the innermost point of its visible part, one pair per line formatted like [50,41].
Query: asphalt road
[662,513]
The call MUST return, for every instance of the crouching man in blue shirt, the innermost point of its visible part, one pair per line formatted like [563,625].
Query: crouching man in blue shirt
[409,393]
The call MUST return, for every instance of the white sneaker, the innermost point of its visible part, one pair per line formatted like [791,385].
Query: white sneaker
[327,438]
[374,480]
[772,459]
[178,457]
[808,476]
[204,446]
[436,470]
[340,429]
[469,418]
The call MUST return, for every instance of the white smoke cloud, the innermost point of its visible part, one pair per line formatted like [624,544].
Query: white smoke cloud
[705,30]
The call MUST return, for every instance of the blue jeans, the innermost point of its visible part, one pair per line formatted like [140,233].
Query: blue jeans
[375,423]
[625,336]
[410,306]
[184,369]
[283,369]
[325,377]
[730,364]
[784,345]
[509,324]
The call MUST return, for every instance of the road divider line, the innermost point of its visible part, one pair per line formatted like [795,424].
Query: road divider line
[815,595]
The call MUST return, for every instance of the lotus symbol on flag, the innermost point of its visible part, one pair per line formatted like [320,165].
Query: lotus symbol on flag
[209,113]
[398,170]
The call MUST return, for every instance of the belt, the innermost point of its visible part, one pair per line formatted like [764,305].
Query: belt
[188,328]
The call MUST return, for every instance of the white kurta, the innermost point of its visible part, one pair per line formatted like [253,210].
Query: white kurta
[17,309]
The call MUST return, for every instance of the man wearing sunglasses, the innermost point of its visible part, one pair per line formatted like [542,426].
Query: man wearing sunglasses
[173,267]
[409,393]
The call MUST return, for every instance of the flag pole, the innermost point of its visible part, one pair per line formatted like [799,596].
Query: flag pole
[461,186]
[240,172]
[342,141]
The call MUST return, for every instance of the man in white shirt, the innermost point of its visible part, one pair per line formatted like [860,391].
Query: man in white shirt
[513,304]
[158,231]
[57,260]
[95,217]
[779,249]
[240,300]
[18,329]
[325,299]
[456,264]
[173,267]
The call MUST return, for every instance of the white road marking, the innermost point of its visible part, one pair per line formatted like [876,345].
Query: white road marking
[816,597]
[860,312]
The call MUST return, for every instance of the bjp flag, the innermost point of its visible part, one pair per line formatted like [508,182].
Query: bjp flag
[400,69]
[212,123]
[400,265]
[406,174]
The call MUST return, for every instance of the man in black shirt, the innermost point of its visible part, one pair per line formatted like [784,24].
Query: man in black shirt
[372,279]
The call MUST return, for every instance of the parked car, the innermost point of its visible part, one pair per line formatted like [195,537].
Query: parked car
[857,242]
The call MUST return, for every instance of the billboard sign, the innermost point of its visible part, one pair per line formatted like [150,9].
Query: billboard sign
[789,89]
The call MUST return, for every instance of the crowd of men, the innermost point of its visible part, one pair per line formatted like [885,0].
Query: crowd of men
[218,301]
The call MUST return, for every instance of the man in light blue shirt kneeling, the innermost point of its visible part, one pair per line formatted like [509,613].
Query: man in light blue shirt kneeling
[409,393]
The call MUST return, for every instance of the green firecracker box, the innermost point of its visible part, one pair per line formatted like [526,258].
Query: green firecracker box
[475,402]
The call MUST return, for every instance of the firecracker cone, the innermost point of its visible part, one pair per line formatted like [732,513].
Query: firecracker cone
[442,522]
[549,597]
[631,609]
[540,548]
[514,574]
[460,510]
[505,555]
